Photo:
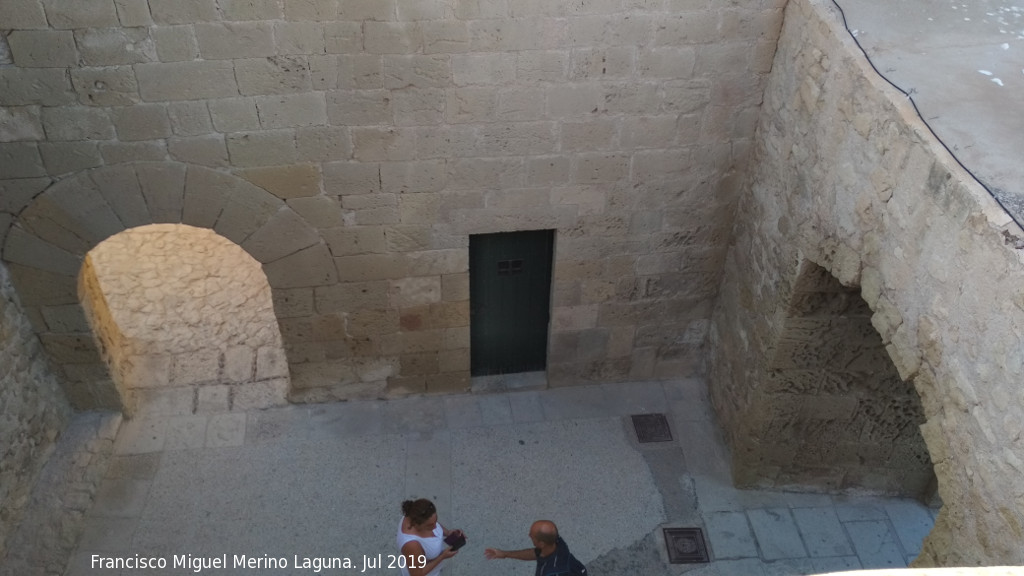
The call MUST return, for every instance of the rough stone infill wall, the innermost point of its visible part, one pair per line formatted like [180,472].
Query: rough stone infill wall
[845,176]
[61,497]
[180,307]
[35,411]
[840,417]
[394,129]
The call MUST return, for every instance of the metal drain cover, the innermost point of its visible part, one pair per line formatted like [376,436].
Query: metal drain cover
[686,546]
[651,428]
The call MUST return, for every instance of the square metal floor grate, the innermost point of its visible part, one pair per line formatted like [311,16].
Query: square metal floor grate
[686,546]
[651,428]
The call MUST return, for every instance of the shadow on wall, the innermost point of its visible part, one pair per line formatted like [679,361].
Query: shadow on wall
[184,320]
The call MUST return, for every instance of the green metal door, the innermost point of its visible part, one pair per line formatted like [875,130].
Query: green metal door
[509,295]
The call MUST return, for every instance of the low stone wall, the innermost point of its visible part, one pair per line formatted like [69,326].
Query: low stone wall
[181,307]
[845,176]
[34,410]
[55,514]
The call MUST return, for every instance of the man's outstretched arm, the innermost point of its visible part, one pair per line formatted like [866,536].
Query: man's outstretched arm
[524,554]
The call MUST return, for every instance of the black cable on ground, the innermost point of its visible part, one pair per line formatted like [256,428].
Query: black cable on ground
[919,115]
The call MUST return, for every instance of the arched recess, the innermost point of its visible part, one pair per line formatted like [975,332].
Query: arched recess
[834,412]
[48,240]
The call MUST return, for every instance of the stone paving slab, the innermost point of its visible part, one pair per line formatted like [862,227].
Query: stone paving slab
[776,533]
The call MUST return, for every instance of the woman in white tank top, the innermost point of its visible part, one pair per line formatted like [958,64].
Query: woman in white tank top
[421,539]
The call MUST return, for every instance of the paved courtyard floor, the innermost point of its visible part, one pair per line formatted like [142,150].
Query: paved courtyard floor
[309,482]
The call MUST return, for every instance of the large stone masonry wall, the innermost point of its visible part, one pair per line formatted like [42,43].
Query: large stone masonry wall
[356,144]
[35,411]
[845,176]
[183,308]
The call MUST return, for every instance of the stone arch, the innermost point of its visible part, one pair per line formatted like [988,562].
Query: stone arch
[836,415]
[48,240]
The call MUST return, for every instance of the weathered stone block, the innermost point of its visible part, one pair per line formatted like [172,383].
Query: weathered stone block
[323,144]
[195,367]
[444,36]
[483,69]
[350,296]
[77,123]
[271,363]
[239,364]
[230,40]
[343,37]
[448,382]
[23,87]
[21,160]
[412,177]
[261,395]
[234,114]
[273,75]
[43,48]
[351,178]
[299,37]
[210,150]
[355,240]
[186,80]
[115,46]
[251,9]
[84,14]
[213,399]
[38,287]
[417,71]
[297,302]
[268,148]
[108,86]
[392,37]
[472,104]
[409,292]
[314,10]
[306,268]
[292,110]
[141,122]
[67,157]
[286,182]
[590,168]
[382,144]
[163,186]
[175,43]
[23,14]
[21,123]
[147,371]
[359,107]
[283,234]
[133,13]
[418,107]
[67,318]
[177,12]
[320,211]
[245,213]
[71,347]
[388,266]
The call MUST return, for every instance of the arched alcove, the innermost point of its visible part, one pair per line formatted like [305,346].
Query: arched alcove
[47,243]
[837,415]
[185,320]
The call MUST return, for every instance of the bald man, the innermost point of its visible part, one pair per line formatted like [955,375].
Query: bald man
[549,550]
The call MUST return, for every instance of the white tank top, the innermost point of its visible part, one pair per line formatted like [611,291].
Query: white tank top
[432,546]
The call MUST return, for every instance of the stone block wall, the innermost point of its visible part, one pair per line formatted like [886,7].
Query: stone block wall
[352,147]
[180,307]
[845,176]
[35,411]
